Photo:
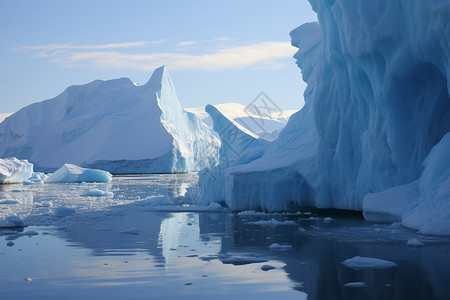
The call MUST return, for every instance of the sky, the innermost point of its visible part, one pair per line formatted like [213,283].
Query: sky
[215,51]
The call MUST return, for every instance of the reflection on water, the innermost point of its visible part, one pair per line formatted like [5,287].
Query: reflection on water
[139,254]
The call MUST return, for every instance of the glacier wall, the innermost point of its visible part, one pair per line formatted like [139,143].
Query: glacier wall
[377,101]
[112,125]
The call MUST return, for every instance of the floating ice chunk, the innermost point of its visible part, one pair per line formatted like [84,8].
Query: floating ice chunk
[267,267]
[72,173]
[241,260]
[46,203]
[359,262]
[13,170]
[133,231]
[28,233]
[414,242]
[328,220]
[64,212]
[278,247]
[28,279]
[98,193]
[356,284]
[12,221]
[273,222]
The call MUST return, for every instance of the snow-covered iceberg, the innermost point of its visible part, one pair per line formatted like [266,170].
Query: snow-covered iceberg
[71,173]
[377,102]
[13,170]
[112,125]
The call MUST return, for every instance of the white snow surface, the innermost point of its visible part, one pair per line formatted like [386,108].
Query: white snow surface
[359,262]
[377,102]
[13,170]
[112,125]
[4,116]
[71,173]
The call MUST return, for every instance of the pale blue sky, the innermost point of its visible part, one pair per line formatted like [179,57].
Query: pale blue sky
[216,51]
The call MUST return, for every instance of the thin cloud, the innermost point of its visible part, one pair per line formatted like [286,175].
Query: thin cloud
[186,43]
[264,55]
[53,47]
[223,39]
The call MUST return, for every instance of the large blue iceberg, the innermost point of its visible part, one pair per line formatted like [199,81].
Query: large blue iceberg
[377,102]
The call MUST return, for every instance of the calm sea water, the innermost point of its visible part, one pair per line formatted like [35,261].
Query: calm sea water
[114,248]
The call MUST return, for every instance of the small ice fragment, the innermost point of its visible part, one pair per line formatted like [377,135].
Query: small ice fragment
[359,262]
[240,260]
[28,279]
[131,231]
[355,284]
[29,233]
[301,229]
[46,203]
[328,220]
[414,242]
[64,212]
[267,267]
[98,193]
[278,247]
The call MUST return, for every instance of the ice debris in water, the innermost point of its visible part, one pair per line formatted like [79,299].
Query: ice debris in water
[359,262]
[98,193]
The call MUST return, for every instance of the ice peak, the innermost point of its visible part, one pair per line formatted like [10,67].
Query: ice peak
[158,76]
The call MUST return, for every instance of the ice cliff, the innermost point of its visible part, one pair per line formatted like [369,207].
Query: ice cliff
[112,125]
[377,102]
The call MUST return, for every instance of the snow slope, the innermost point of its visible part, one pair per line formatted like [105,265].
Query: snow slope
[112,125]
[377,102]
[4,116]
[13,170]
[265,124]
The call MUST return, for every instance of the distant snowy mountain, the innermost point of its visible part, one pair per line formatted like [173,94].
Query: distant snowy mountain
[112,125]
[265,124]
[4,116]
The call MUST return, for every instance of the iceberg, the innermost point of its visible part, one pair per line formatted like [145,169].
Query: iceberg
[13,170]
[238,146]
[263,123]
[71,173]
[112,125]
[377,102]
